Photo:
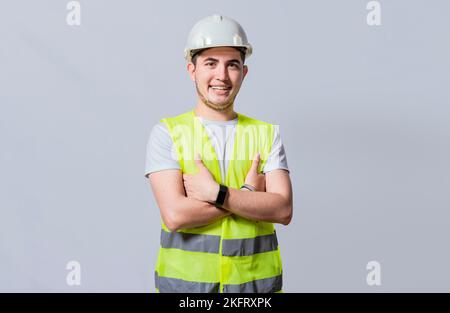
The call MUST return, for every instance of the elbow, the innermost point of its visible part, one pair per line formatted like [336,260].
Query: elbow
[286,215]
[174,216]
[171,221]
[171,226]
[286,220]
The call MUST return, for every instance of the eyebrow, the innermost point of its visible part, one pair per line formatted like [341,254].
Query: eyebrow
[215,60]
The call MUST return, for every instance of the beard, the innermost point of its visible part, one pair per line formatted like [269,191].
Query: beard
[220,107]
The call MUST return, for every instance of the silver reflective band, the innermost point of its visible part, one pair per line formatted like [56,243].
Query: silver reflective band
[266,285]
[190,242]
[249,246]
[167,284]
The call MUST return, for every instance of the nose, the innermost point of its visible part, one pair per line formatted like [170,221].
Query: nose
[221,72]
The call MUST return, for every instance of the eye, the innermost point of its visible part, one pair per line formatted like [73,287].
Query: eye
[209,63]
[234,65]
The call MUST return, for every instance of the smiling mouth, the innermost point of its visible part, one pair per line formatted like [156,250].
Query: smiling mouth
[223,91]
[220,87]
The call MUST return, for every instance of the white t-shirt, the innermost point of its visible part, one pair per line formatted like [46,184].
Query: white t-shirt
[161,153]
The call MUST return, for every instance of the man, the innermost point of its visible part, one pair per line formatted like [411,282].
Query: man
[220,178]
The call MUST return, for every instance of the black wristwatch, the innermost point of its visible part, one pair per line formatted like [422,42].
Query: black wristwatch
[223,190]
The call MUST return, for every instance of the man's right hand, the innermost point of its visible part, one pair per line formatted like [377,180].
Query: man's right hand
[254,178]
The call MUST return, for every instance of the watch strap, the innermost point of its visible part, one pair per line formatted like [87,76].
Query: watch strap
[223,190]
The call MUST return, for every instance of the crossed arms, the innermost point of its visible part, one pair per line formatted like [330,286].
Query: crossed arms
[185,200]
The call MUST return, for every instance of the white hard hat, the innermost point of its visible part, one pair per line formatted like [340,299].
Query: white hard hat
[216,31]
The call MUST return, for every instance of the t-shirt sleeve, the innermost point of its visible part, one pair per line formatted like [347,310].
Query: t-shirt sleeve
[161,154]
[277,158]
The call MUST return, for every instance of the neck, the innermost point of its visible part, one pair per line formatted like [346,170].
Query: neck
[202,110]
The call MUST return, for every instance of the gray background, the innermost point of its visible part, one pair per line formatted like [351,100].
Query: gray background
[364,114]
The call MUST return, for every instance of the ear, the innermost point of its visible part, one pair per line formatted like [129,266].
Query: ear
[245,71]
[191,70]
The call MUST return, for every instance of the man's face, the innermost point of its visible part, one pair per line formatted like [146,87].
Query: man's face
[218,75]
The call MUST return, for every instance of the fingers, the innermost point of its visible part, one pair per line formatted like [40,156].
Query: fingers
[255,163]
[198,161]
[186,183]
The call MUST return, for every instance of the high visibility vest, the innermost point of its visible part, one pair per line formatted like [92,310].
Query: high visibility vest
[233,254]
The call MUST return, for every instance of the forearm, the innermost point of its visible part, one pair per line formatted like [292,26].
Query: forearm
[189,213]
[259,206]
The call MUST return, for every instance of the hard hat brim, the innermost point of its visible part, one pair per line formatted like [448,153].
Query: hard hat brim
[190,53]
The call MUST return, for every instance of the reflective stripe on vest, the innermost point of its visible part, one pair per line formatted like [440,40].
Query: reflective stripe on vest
[211,243]
[266,285]
[166,284]
[171,285]
[190,242]
[249,246]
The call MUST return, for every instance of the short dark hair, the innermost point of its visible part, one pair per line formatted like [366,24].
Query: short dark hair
[196,53]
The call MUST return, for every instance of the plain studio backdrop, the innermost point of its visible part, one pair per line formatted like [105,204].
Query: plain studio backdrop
[363,111]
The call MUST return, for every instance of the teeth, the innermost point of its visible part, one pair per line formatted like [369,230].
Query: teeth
[219,88]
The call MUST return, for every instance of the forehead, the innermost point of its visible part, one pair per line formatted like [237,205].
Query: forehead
[221,53]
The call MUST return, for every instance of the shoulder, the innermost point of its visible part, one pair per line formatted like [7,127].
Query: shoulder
[159,138]
[244,119]
[159,130]
[160,152]
[258,127]
[178,119]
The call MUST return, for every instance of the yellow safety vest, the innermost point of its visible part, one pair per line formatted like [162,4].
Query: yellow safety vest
[233,254]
